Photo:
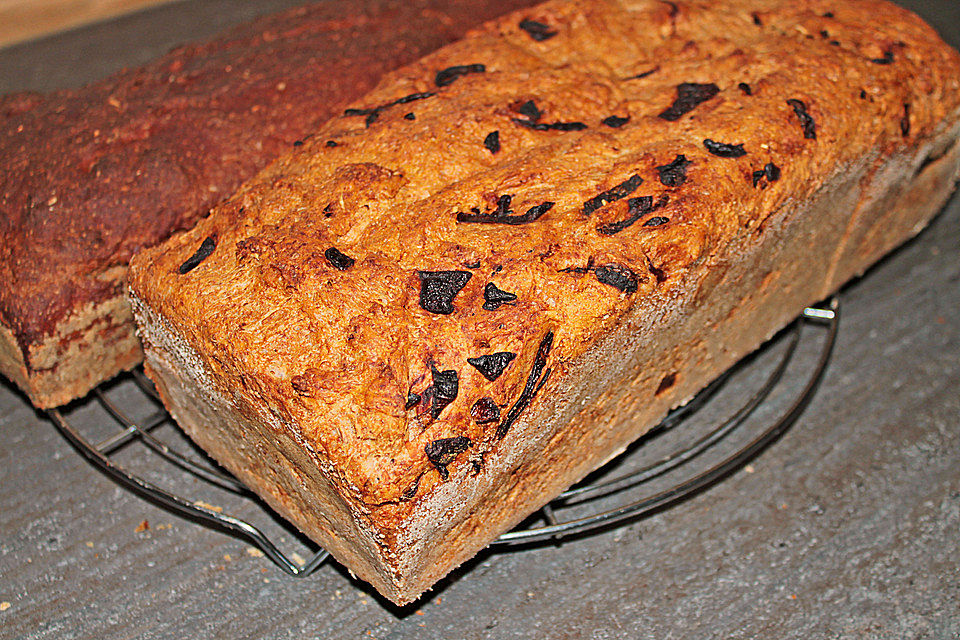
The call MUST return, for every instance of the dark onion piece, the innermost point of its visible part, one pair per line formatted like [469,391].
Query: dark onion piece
[484,411]
[503,215]
[675,173]
[612,194]
[806,120]
[439,288]
[550,126]
[724,150]
[494,297]
[615,121]
[338,259]
[534,382]
[492,142]
[493,365]
[444,451]
[618,277]
[202,253]
[636,209]
[689,95]
[537,30]
[448,76]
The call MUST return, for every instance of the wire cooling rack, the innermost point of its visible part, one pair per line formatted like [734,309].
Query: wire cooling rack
[722,429]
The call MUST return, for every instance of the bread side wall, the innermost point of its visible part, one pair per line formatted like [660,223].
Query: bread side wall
[889,217]
[262,454]
[90,346]
[11,359]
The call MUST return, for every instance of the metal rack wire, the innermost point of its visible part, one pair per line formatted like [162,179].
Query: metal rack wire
[687,460]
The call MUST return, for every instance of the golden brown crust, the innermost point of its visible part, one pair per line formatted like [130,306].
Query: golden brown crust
[738,113]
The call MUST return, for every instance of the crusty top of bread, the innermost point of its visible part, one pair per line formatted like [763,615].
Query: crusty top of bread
[89,176]
[579,156]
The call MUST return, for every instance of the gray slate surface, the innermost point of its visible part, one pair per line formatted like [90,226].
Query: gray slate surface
[848,527]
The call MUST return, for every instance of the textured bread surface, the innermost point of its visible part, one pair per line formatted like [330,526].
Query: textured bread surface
[89,176]
[668,184]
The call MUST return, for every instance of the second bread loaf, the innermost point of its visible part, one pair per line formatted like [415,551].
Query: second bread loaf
[89,176]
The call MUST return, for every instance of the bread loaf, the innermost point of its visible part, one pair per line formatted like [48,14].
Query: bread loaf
[91,175]
[516,255]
